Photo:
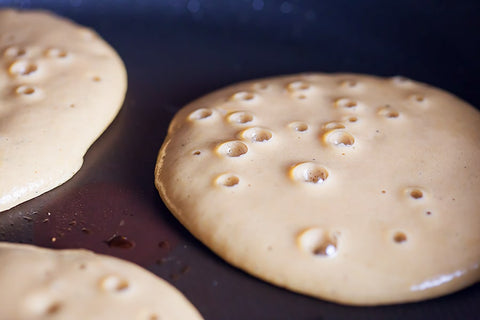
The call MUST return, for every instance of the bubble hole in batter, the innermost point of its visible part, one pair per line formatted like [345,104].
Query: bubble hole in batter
[346,103]
[22,68]
[14,52]
[388,112]
[56,53]
[257,134]
[399,237]
[298,126]
[232,149]
[112,283]
[298,86]
[416,194]
[243,96]
[348,83]
[25,90]
[53,308]
[228,180]
[200,114]
[240,117]
[340,138]
[309,172]
[318,243]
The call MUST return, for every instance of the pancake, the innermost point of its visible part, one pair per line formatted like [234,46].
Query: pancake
[61,85]
[79,284]
[351,188]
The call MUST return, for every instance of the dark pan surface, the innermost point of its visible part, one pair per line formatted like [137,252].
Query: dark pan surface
[176,51]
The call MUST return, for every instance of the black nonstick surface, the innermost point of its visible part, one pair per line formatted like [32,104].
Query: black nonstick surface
[178,50]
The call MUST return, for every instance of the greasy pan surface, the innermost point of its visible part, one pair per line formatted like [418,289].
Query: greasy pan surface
[178,50]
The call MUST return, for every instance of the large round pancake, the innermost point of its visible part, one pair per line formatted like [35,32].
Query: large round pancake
[352,188]
[41,283]
[60,86]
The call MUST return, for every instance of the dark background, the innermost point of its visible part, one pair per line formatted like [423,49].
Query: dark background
[178,50]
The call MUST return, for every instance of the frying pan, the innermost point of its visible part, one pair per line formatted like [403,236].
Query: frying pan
[178,50]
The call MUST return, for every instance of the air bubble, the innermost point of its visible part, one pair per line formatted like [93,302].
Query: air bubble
[260,86]
[418,98]
[387,112]
[232,148]
[416,194]
[345,103]
[298,86]
[257,134]
[147,315]
[243,96]
[114,283]
[392,114]
[240,117]
[228,180]
[25,90]
[22,68]
[317,242]
[348,83]
[14,52]
[399,237]
[56,53]
[53,308]
[309,172]
[200,114]
[339,138]
[298,126]
[333,125]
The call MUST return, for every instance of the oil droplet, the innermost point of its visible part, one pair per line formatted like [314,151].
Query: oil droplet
[117,241]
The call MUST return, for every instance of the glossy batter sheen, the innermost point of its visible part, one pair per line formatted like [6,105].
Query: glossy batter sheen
[60,86]
[78,284]
[351,188]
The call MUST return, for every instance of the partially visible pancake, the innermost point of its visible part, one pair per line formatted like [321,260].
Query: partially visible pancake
[60,86]
[351,188]
[40,283]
